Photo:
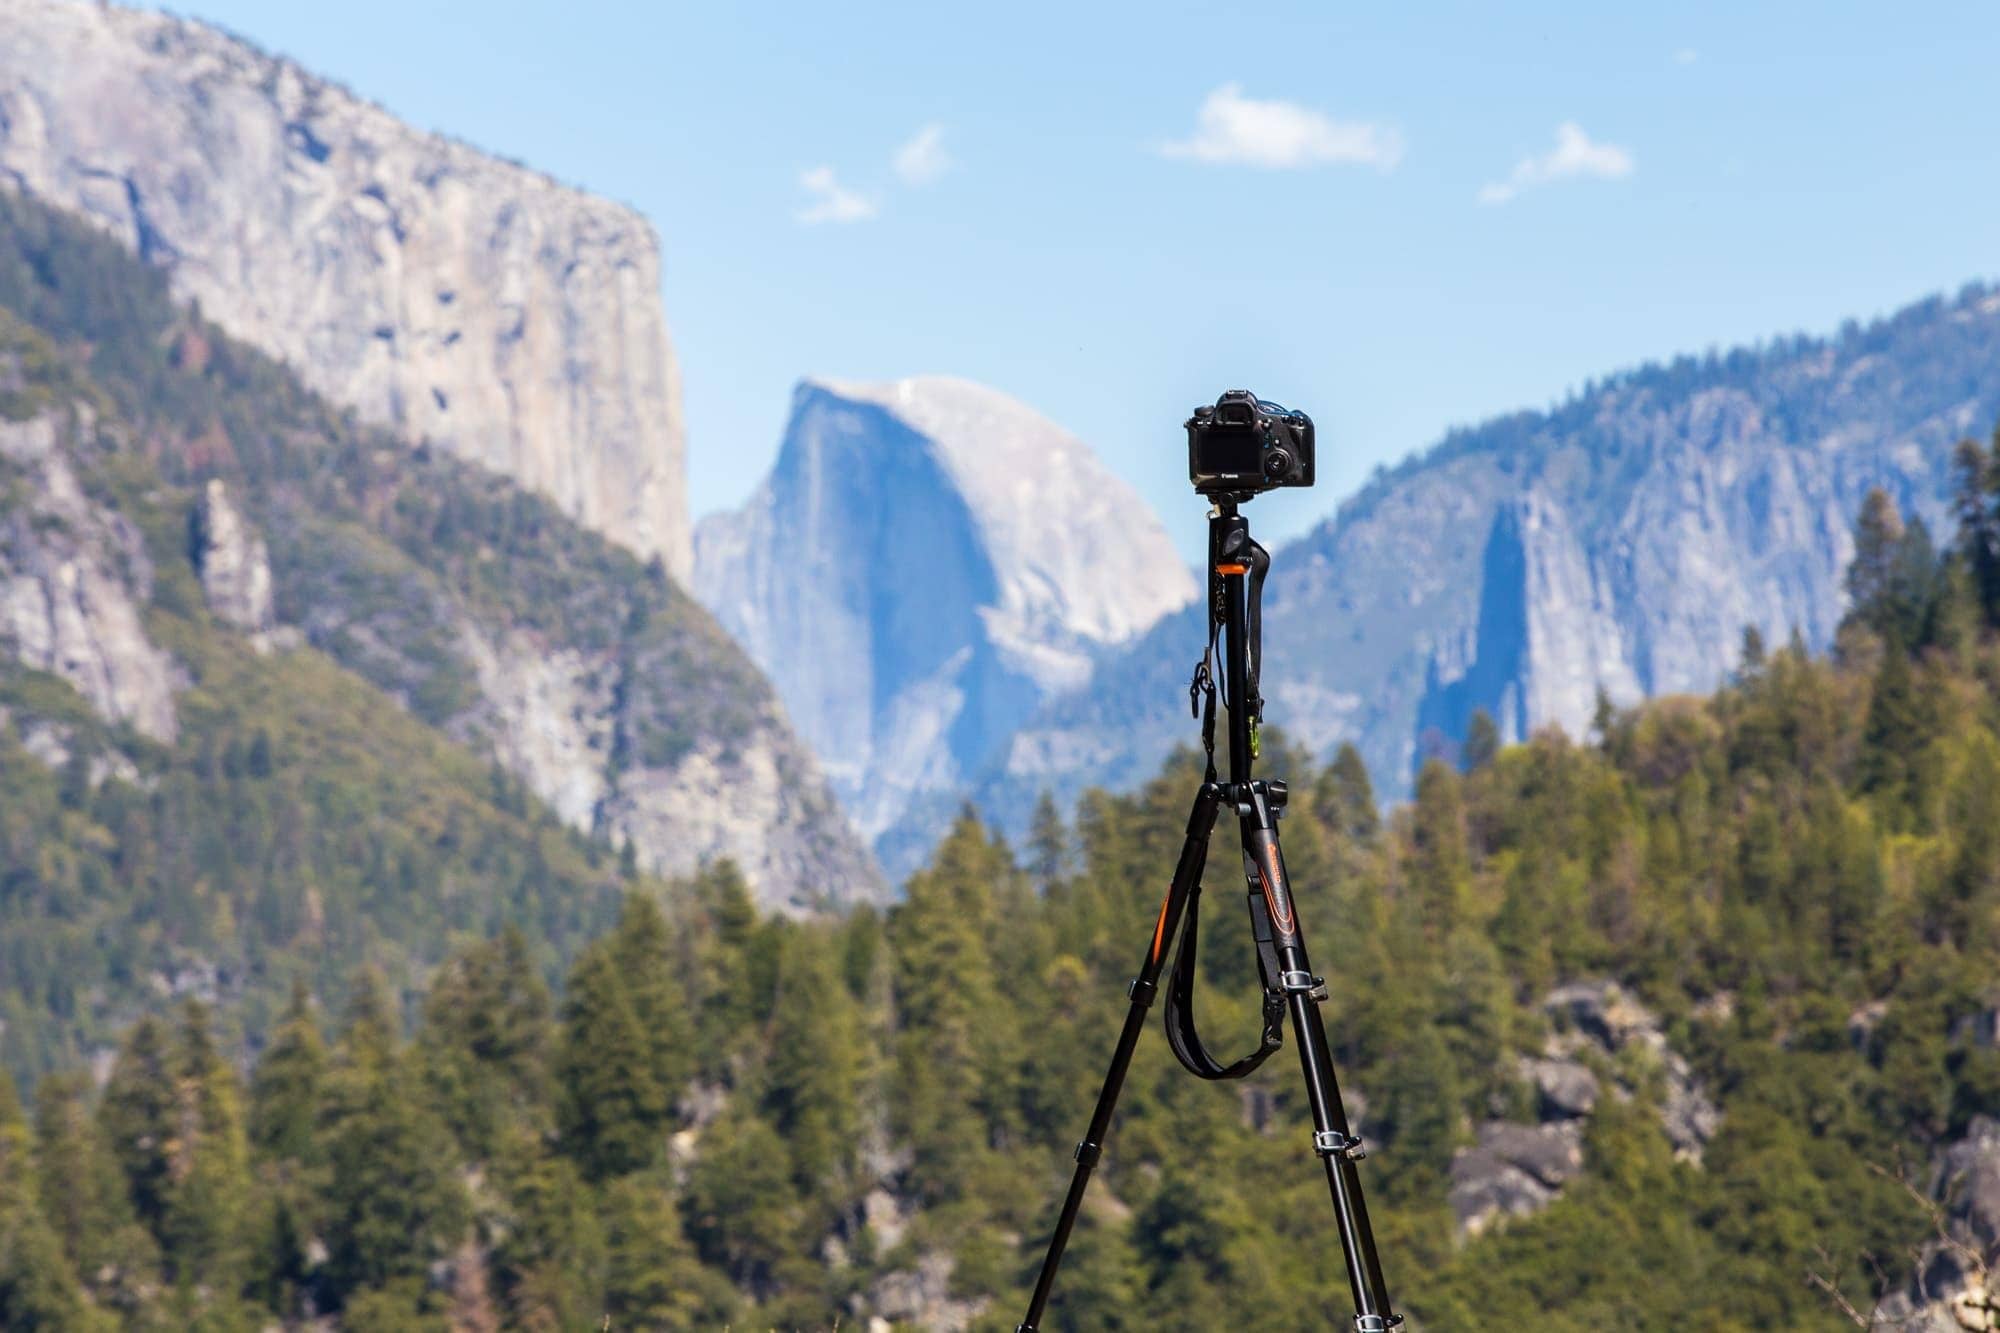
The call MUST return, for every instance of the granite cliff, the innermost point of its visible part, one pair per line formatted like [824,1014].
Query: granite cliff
[489,616]
[929,560]
[1621,541]
[75,577]
[435,290]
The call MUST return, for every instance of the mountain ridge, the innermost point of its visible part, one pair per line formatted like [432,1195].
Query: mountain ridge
[1623,539]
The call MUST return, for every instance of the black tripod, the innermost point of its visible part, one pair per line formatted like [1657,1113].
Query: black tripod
[1237,566]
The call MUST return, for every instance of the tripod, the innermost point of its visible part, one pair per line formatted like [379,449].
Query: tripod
[1237,566]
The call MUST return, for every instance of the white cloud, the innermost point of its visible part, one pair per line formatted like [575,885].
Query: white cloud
[1687,55]
[923,159]
[1575,156]
[831,201]
[1233,128]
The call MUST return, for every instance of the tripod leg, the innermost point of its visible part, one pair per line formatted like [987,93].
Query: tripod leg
[1187,874]
[1337,1147]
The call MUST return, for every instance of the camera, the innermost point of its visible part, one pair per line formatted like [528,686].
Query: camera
[1245,445]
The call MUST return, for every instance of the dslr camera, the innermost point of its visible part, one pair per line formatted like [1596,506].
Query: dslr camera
[1245,445]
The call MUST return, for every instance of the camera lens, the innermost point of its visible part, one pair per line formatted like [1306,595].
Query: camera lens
[1277,463]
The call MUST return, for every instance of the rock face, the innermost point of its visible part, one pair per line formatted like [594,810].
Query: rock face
[927,562]
[1622,541]
[232,562]
[74,577]
[572,724]
[430,287]
[1516,1169]
[1957,1284]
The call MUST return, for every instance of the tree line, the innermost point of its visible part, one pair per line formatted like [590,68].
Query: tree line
[728,1119]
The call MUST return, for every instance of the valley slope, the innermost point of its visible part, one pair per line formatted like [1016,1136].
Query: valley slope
[594,681]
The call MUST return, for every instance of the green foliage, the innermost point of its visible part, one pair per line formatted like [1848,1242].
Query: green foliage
[38,1287]
[690,1137]
[614,1108]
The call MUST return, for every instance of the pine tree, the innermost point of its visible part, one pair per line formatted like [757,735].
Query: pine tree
[613,1112]
[652,1279]
[394,1203]
[740,1204]
[957,1051]
[1348,795]
[287,1100]
[286,1089]
[1878,537]
[1894,581]
[1482,741]
[1048,846]
[206,1227]
[642,948]
[812,1074]
[1440,869]
[1603,718]
[1750,654]
[1420,1114]
[486,1038]
[38,1290]
[137,1114]
[737,966]
[82,1189]
[549,1256]
[1977,502]
[1894,735]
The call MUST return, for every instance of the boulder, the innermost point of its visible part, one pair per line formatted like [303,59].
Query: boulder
[1513,1171]
[1603,1012]
[1968,1183]
[1564,1088]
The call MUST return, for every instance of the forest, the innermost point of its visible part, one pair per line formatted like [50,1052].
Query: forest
[721,1119]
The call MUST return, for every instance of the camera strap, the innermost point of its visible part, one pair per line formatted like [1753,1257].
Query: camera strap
[1181,1035]
[1201,704]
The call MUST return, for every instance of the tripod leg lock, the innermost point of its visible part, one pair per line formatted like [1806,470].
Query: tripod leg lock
[1142,991]
[1375,1323]
[1333,1143]
[1302,983]
[1087,1154]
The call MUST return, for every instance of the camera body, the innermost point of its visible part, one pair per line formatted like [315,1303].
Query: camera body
[1245,445]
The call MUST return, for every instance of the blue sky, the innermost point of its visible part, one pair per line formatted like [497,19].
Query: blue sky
[1397,218]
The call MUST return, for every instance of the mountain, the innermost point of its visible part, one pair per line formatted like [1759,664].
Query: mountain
[436,290]
[491,618]
[927,561]
[1621,541]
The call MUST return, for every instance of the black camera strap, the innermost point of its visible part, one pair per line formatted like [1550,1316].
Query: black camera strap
[1181,1035]
[1201,704]
[1186,1042]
